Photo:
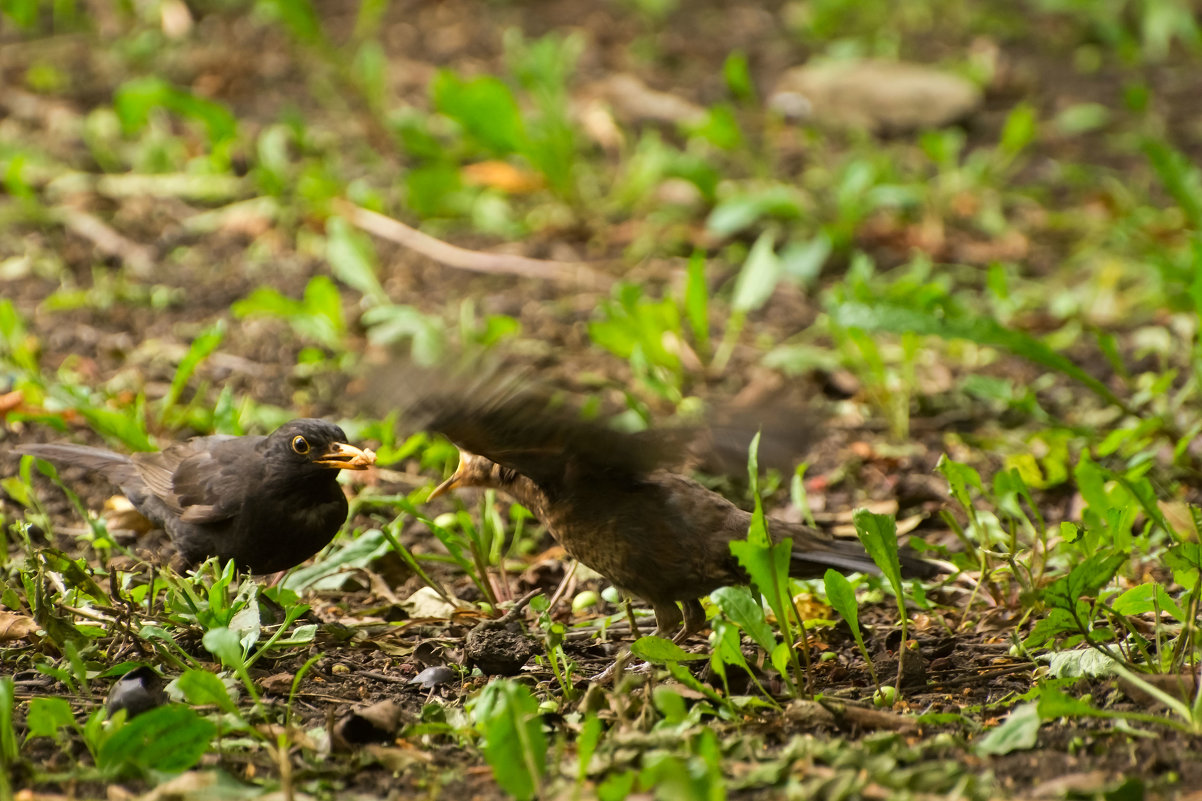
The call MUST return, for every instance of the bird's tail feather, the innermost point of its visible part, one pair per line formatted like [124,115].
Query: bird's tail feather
[848,556]
[97,459]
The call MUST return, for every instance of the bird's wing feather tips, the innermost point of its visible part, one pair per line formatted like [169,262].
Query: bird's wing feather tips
[199,479]
[155,470]
[520,424]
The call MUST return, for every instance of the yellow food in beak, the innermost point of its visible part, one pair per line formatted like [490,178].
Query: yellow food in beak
[347,457]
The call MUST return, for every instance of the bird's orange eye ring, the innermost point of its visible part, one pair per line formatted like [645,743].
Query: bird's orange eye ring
[300,445]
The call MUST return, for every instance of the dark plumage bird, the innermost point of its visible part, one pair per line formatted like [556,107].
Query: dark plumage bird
[613,502]
[268,503]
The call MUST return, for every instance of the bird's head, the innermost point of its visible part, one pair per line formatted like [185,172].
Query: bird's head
[474,471]
[315,442]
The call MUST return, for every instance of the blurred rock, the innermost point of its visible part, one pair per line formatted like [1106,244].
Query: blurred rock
[372,724]
[138,691]
[433,677]
[877,96]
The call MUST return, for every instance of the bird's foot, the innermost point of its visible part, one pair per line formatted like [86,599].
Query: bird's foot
[617,668]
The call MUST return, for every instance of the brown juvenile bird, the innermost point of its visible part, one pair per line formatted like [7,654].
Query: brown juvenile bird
[610,500]
[268,503]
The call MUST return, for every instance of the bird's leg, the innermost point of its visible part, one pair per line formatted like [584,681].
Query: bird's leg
[628,606]
[667,619]
[694,620]
[566,586]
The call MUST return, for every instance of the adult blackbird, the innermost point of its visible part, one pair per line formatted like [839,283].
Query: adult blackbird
[611,501]
[268,503]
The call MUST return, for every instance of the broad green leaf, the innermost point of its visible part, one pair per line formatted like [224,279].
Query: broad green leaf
[8,735]
[1080,118]
[878,533]
[390,323]
[586,745]
[322,299]
[298,16]
[768,567]
[1080,662]
[317,316]
[1018,131]
[1145,598]
[266,301]
[1055,623]
[1185,560]
[725,649]
[136,99]
[960,478]
[1055,703]
[76,573]
[670,705]
[661,651]
[224,644]
[1180,176]
[169,739]
[515,745]
[738,604]
[1084,580]
[484,106]
[743,211]
[434,189]
[201,348]
[1091,483]
[802,262]
[125,425]
[203,688]
[758,278]
[370,70]
[1018,732]
[780,657]
[696,302]
[719,127]
[353,259]
[682,675]
[1010,491]
[617,786]
[843,599]
[47,715]
[738,76]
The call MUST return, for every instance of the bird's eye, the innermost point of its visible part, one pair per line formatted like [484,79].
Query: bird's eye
[300,445]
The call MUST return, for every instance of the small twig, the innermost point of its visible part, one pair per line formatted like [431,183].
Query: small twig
[137,257]
[568,272]
[847,715]
[515,610]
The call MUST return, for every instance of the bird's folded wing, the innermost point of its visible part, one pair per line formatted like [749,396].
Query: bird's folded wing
[200,480]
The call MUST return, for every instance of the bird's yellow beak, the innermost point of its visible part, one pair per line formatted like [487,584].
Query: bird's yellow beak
[456,479]
[342,456]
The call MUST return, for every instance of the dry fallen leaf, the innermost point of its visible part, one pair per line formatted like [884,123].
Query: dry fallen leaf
[426,603]
[15,627]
